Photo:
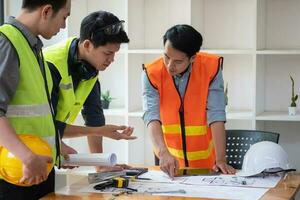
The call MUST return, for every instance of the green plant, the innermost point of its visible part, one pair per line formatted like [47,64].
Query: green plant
[105,96]
[226,94]
[294,97]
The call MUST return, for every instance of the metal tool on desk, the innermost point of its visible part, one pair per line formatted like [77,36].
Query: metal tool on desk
[136,171]
[180,191]
[117,182]
[102,176]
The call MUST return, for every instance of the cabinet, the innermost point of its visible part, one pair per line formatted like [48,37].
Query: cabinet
[260,43]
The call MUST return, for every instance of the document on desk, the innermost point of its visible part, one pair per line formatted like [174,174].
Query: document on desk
[219,180]
[218,187]
[184,190]
[232,180]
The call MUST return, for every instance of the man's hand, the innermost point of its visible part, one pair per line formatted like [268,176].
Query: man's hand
[118,167]
[65,151]
[224,167]
[168,164]
[117,132]
[35,169]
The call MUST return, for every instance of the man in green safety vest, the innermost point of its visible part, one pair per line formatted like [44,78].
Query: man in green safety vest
[74,66]
[25,82]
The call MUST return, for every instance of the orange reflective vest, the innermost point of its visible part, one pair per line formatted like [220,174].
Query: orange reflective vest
[184,122]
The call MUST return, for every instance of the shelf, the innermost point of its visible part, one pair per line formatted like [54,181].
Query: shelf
[230,51]
[277,116]
[273,84]
[257,38]
[279,52]
[275,28]
[239,114]
[136,114]
[114,112]
[225,24]
[145,51]
[215,51]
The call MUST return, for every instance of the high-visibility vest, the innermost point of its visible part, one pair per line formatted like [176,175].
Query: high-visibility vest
[70,102]
[184,122]
[29,111]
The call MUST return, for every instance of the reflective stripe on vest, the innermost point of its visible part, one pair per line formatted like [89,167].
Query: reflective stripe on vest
[66,86]
[29,111]
[50,140]
[70,102]
[193,145]
[189,130]
[196,155]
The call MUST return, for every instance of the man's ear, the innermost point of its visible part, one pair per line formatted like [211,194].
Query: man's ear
[47,11]
[87,45]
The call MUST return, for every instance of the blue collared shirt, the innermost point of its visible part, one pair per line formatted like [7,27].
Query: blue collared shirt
[215,101]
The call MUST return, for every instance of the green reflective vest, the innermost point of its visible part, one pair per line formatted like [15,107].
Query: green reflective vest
[70,102]
[29,111]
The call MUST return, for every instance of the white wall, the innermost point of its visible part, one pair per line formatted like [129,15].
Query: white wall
[258,80]
[13,8]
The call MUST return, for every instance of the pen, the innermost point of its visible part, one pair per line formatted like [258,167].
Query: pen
[138,178]
[132,189]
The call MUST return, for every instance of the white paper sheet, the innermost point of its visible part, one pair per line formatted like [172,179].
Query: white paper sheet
[232,180]
[220,180]
[175,189]
[93,159]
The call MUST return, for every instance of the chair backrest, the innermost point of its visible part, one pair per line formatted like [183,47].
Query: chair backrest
[239,141]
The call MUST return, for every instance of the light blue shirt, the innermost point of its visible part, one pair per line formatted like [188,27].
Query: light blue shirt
[215,101]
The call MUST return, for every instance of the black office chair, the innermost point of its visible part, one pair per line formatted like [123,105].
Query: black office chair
[239,141]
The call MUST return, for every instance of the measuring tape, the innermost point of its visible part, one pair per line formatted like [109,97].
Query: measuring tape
[120,182]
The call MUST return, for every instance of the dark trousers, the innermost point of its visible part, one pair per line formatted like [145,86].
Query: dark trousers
[13,192]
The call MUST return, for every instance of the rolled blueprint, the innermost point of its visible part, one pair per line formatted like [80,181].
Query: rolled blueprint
[91,159]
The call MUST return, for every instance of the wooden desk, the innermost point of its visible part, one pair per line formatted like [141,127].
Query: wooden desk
[286,189]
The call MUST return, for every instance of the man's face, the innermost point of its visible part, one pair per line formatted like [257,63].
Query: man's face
[55,21]
[102,56]
[175,61]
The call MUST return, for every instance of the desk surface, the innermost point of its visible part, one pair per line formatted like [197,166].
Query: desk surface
[286,189]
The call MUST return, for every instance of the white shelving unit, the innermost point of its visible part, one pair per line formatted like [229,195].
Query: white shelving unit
[257,39]
[260,43]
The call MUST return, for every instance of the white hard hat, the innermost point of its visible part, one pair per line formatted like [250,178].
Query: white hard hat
[264,156]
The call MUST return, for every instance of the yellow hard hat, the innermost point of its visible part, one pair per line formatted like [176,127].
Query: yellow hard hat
[11,168]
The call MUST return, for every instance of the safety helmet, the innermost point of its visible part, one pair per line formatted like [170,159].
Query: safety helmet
[11,168]
[265,156]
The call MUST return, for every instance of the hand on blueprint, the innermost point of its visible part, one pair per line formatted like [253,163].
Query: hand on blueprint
[118,167]
[224,167]
[117,132]
[168,164]
[65,150]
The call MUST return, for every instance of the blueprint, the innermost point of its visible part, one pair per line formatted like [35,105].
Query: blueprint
[183,190]
[219,180]
[218,187]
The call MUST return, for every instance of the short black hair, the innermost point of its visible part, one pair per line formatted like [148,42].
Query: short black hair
[33,4]
[92,29]
[184,38]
